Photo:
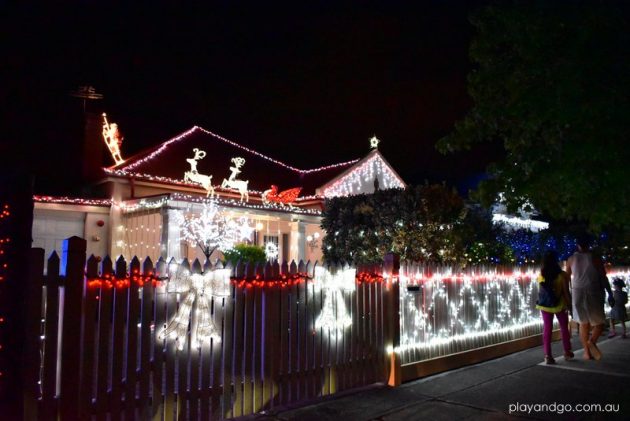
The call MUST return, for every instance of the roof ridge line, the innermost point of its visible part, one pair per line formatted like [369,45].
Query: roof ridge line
[159,149]
[275,161]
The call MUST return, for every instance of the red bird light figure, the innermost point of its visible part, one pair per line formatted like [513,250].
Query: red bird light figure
[286,197]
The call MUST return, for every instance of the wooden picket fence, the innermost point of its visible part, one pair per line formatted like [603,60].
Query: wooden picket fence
[96,351]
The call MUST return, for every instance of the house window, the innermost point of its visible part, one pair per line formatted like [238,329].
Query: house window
[270,239]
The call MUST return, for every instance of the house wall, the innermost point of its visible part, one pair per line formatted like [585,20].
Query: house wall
[54,223]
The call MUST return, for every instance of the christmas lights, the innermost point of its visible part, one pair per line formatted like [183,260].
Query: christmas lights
[233,182]
[64,200]
[374,141]
[184,135]
[334,315]
[286,197]
[113,139]
[352,182]
[194,176]
[271,250]
[198,289]
[212,230]
[5,213]
[110,281]
[530,224]
[448,313]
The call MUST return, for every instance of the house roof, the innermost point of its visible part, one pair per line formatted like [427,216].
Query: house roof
[167,162]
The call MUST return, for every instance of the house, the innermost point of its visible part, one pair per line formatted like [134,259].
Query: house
[148,195]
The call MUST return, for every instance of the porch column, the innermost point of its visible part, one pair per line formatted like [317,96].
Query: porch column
[170,244]
[297,241]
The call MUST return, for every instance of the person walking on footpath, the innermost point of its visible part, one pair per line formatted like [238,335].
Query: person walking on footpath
[554,299]
[618,311]
[588,280]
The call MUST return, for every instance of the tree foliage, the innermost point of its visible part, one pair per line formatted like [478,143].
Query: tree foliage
[552,85]
[245,253]
[417,223]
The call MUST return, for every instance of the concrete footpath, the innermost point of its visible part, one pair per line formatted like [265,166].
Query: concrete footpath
[509,387]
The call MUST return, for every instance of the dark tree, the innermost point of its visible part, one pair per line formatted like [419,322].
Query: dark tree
[417,223]
[552,85]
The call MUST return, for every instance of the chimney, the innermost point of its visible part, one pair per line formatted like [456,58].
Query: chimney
[92,154]
[93,146]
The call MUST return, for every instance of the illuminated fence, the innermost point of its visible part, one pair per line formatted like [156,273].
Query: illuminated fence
[181,341]
[98,348]
[444,312]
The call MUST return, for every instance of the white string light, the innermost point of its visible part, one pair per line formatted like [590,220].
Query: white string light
[530,224]
[213,230]
[352,182]
[451,313]
[198,288]
[334,315]
[271,250]
[72,200]
[184,135]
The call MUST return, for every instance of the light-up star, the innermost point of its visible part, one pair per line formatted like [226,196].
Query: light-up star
[198,288]
[374,142]
[334,315]
[271,250]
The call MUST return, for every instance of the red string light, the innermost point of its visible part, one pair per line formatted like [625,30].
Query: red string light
[111,281]
[283,281]
[5,213]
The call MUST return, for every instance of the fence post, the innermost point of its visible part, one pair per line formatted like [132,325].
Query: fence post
[391,266]
[32,361]
[72,268]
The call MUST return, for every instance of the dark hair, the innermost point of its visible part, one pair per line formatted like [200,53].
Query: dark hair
[619,282]
[584,241]
[550,267]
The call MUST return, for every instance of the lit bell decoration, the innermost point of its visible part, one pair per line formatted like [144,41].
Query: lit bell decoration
[334,315]
[194,309]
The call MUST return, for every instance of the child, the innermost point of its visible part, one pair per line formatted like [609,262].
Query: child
[618,311]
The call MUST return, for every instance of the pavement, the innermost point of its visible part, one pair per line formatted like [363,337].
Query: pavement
[516,386]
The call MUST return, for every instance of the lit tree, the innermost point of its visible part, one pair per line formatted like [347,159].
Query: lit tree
[211,230]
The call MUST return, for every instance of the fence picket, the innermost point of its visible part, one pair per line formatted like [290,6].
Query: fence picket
[284,345]
[238,351]
[302,335]
[249,347]
[33,333]
[131,346]
[89,345]
[73,261]
[49,404]
[146,321]
[119,353]
[258,351]
[227,360]
[105,299]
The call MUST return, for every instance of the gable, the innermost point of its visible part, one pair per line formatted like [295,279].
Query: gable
[360,178]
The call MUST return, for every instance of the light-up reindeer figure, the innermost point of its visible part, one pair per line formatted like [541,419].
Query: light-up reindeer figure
[194,176]
[113,139]
[233,183]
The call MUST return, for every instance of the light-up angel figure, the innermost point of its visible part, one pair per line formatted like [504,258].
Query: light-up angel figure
[334,315]
[194,309]
[211,230]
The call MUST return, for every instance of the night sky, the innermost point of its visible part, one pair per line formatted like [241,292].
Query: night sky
[306,84]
